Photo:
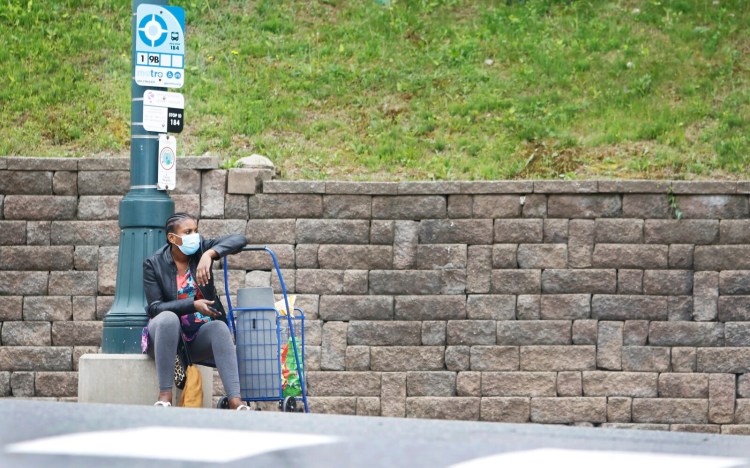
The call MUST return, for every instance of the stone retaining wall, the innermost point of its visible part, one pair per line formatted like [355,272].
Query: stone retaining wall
[553,302]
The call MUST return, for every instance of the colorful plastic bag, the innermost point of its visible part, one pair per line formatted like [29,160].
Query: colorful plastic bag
[290,383]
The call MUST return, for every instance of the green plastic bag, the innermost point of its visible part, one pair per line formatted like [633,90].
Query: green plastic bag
[290,383]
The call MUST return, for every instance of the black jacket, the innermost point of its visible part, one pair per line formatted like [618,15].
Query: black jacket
[160,277]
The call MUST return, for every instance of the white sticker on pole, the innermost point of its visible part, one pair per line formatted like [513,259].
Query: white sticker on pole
[163,112]
[167,176]
[160,46]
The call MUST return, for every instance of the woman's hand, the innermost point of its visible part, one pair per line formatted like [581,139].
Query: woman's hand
[203,272]
[204,307]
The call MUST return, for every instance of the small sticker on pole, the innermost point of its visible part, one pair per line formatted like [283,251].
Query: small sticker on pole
[167,176]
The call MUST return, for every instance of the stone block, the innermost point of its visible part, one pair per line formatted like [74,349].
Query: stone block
[714,206]
[615,307]
[441,256]
[65,183]
[430,384]
[332,231]
[683,359]
[584,206]
[405,282]
[458,358]
[737,334]
[686,334]
[490,307]
[12,232]
[253,260]
[636,427]
[515,384]
[742,414]
[619,231]
[22,384]
[368,406]
[517,231]
[103,305]
[86,258]
[569,384]
[670,410]
[558,358]
[528,307]
[568,410]
[430,308]
[26,183]
[47,308]
[5,384]
[213,191]
[629,281]
[189,182]
[620,384]
[25,334]
[496,206]
[680,308]
[668,282]
[56,384]
[362,188]
[81,333]
[433,333]
[508,410]
[479,269]
[469,384]
[333,352]
[516,281]
[85,233]
[30,258]
[409,207]
[503,256]
[235,206]
[243,181]
[333,405]
[356,307]
[734,231]
[636,256]
[382,232]
[357,358]
[453,408]
[645,359]
[731,308]
[379,333]
[619,409]
[23,283]
[190,204]
[555,231]
[609,345]
[460,206]
[541,256]
[107,275]
[355,257]
[343,383]
[721,257]
[38,232]
[347,206]
[738,429]
[585,332]
[306,256]
[293,186]
[535,206]
[312,357]
[492,358]
[565,186]
[455,231]
[522,333]
[565,306]
[12,309]
[731,283]
[213,228]
[313,332]
[681,256]
[79,283]
[405,241]
[683,231]
[646,206]
[393,394]
[697,428]
[105,182]
[99,207]
[706,283]
[36,358]
[683,385]
[579,281]
[285,206]
[721,398]
[407,358]
[471,332]
[635,333]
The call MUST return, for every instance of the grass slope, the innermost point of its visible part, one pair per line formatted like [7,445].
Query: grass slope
[414,89]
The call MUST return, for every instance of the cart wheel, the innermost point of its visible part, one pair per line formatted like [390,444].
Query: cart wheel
[223,403]
[289,405]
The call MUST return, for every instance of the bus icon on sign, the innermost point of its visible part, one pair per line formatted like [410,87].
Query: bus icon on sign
[175,36]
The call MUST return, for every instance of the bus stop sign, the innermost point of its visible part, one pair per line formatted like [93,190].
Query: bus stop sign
[160,46]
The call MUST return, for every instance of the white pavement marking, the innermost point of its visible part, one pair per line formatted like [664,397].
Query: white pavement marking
[169,443]
[597,459]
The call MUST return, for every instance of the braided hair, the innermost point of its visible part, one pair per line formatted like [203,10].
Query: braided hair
[175,219]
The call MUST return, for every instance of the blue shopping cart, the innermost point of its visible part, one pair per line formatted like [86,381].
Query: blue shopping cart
[270,344]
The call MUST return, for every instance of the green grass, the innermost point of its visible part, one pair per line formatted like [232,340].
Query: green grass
[418,89]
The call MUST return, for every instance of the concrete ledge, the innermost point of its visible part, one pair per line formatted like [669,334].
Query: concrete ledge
[128,379]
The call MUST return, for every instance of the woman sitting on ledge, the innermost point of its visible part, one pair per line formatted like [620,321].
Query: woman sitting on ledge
[182,299]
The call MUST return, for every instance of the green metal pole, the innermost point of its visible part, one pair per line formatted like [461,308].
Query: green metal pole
[143,211]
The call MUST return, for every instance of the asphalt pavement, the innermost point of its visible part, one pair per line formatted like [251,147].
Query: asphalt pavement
[43,434]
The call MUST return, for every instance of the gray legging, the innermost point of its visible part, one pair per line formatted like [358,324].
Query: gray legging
[212,342]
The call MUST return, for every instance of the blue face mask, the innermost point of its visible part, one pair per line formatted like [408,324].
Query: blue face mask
[190,243]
